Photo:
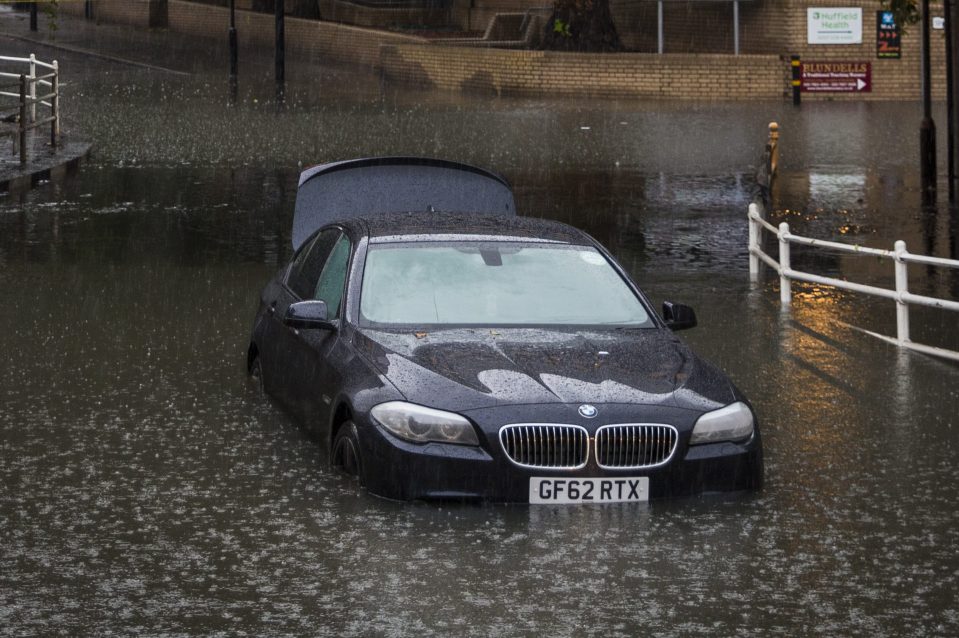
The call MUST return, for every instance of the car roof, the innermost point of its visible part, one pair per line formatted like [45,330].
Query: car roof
[448,226]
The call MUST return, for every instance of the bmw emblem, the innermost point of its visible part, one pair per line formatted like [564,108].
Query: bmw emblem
[588,411]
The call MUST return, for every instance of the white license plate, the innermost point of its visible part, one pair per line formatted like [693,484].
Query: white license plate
[588,490]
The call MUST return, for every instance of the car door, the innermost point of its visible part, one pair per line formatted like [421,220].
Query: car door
[325,350]
[281,345]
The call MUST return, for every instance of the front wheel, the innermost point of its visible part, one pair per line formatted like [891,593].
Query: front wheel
[345,455]
[256,376]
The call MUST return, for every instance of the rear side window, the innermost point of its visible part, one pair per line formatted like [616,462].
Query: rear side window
[308,264]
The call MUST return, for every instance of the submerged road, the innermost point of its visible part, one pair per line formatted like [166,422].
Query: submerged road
[148,490]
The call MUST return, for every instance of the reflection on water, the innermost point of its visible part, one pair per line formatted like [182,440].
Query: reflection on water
[148,490]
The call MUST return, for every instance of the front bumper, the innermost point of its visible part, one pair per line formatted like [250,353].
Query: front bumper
[397,469]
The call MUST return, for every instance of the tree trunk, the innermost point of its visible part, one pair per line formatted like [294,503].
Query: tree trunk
[581,25]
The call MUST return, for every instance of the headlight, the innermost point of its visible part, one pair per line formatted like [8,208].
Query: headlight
[732,423]
[417,423]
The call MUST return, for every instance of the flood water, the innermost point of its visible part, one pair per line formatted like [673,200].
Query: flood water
[147,489]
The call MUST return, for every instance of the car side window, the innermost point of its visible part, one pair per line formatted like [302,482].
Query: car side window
[308,264]
[330,286]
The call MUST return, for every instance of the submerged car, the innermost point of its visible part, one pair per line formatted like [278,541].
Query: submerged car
[445,348]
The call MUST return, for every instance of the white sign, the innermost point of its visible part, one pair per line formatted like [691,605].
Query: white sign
[938,22]
[828,25]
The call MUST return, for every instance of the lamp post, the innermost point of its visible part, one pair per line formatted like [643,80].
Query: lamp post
[234,54]
[927,129]
[950,101]
[280,52]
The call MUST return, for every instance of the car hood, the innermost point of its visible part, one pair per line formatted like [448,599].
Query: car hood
[466,369]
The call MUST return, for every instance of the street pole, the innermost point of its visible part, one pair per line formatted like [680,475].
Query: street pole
[280,53]
[234,54]
[950,102]
[927,130]
[795,63]
[33,16]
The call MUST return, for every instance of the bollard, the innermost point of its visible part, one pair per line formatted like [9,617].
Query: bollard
[902,288]
[753,243]
[797,79]
[785,285]
[774,146]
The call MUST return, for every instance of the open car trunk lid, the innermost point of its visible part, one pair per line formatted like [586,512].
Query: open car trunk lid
[374,186]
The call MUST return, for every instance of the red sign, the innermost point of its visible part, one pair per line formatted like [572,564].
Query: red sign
[836,77]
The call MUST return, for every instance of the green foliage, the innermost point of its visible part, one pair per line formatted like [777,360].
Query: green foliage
[50,9]
[562,28]
[906,12]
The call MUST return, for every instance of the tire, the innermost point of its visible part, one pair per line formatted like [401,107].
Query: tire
[345,454]
[256,376]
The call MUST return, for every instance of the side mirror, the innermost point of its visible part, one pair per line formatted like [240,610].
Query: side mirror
[308,314]
[678,316]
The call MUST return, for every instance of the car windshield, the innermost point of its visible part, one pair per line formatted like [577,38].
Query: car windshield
[498,283]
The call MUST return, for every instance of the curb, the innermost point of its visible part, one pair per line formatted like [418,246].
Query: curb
[44,167]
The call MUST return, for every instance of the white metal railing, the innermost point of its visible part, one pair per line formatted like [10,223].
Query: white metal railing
[25,114]
[899,255]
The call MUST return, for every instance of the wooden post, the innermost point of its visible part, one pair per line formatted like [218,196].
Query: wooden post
[55,106]
[33,88]
[23,120]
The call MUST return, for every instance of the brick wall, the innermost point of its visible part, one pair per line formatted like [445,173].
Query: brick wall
[625,75]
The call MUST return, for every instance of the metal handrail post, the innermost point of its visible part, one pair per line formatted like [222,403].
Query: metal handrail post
[785,285]
[902,288]
[33,88]
[23,120]
[753,243]
[55,106]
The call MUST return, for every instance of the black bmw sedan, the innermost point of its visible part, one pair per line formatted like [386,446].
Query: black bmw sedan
[483,355]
